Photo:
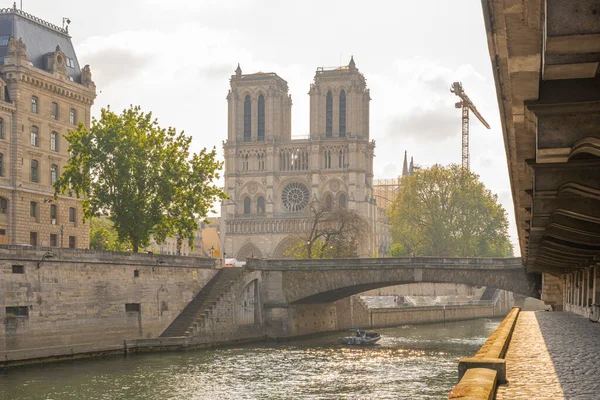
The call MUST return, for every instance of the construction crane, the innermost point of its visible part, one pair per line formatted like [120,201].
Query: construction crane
[466,104]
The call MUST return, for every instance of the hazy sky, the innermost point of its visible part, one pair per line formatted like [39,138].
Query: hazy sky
[175,57]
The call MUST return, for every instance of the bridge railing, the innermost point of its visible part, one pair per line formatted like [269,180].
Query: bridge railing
[387,263]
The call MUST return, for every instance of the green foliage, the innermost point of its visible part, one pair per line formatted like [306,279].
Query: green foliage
[335,233]
[103,236]
[141,176]
[447,211]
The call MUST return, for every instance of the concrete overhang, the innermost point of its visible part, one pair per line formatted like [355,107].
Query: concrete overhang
[545,56]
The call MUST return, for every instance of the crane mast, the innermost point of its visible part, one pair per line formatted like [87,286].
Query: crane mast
[466,104]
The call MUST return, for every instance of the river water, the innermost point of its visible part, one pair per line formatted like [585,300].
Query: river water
[410,362]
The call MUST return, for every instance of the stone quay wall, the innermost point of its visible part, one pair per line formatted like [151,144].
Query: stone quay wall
[81,301]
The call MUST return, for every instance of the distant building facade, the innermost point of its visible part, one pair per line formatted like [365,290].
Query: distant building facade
[271,179]
[43,95]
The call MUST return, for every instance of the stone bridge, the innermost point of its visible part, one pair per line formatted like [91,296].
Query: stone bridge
[294,291]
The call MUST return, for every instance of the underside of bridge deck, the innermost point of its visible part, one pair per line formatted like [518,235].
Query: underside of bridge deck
[545,56]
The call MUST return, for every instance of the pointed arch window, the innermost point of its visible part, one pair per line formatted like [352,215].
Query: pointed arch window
[342,113]
[261,118]
[260,205]
[328,202]
[329,115]
[342,201]
[247,119]
[247,205]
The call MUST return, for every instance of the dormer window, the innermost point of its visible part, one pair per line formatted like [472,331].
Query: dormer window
[70,63]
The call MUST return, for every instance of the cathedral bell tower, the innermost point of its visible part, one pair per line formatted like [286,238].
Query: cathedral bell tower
[260,108]
[339,103]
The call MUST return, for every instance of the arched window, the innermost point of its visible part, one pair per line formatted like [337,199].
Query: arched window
[329,115]
[261,118]
[53,173]
[247,119]
[328,202]
[3,205]
[342,200]
[247,205]
[342,113]
[34,171]
[260,205]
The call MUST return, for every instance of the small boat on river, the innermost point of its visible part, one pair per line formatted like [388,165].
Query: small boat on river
[362,338]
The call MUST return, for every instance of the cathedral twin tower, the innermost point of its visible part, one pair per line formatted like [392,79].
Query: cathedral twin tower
[271,178]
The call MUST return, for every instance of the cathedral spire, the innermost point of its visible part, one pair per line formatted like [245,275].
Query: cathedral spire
[411,167]
[238,71]
[405,165]
[352,65]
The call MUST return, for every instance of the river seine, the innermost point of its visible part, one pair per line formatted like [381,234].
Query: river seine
[410,362]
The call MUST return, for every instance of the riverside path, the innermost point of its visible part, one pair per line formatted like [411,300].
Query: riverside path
[552,355]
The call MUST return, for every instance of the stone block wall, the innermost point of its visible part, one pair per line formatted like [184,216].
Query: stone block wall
[84,301]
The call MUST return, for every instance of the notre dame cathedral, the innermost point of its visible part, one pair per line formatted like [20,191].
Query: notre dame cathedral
[271,178]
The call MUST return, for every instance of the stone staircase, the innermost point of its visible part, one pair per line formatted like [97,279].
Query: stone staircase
[194,314]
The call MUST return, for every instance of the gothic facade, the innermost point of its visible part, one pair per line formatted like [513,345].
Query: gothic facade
[271,178]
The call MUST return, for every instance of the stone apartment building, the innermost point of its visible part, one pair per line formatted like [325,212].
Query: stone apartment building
[271,178]
[43,94]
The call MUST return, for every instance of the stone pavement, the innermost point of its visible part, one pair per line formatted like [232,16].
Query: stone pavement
[553,355]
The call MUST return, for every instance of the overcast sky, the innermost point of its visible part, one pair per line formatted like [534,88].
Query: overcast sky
[175,57]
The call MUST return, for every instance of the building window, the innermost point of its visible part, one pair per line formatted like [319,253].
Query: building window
[18,311]
[33,238]
[33,209]
[261,161]
[3,205]
[327,159]
[53,240]
[1,164]
[1,128]
[247,119]
[54,114]
[132,307]
[18,269]
[329,115]
[71,242]
[53,173]
[73,117]
[342,200]
[70,63]
[261,118]
[54,141]
[328,202]
[245,165]
[35,136]
[136,273]
[2,232]
[34,104]
[342,113]
[260,205]
[53,214]
[72,214]
[247,205]
[34,171]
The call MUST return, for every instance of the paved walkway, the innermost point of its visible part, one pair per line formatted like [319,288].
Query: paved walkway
[553,355]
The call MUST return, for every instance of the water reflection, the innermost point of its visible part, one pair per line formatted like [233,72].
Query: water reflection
[410,362]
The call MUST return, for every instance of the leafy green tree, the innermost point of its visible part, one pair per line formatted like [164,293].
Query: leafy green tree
[141,176]
[103,236]
[332,233]
[447,211]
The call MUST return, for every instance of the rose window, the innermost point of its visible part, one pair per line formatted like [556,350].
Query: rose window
[295,196]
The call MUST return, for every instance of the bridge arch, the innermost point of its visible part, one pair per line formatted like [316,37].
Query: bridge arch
[324,281]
